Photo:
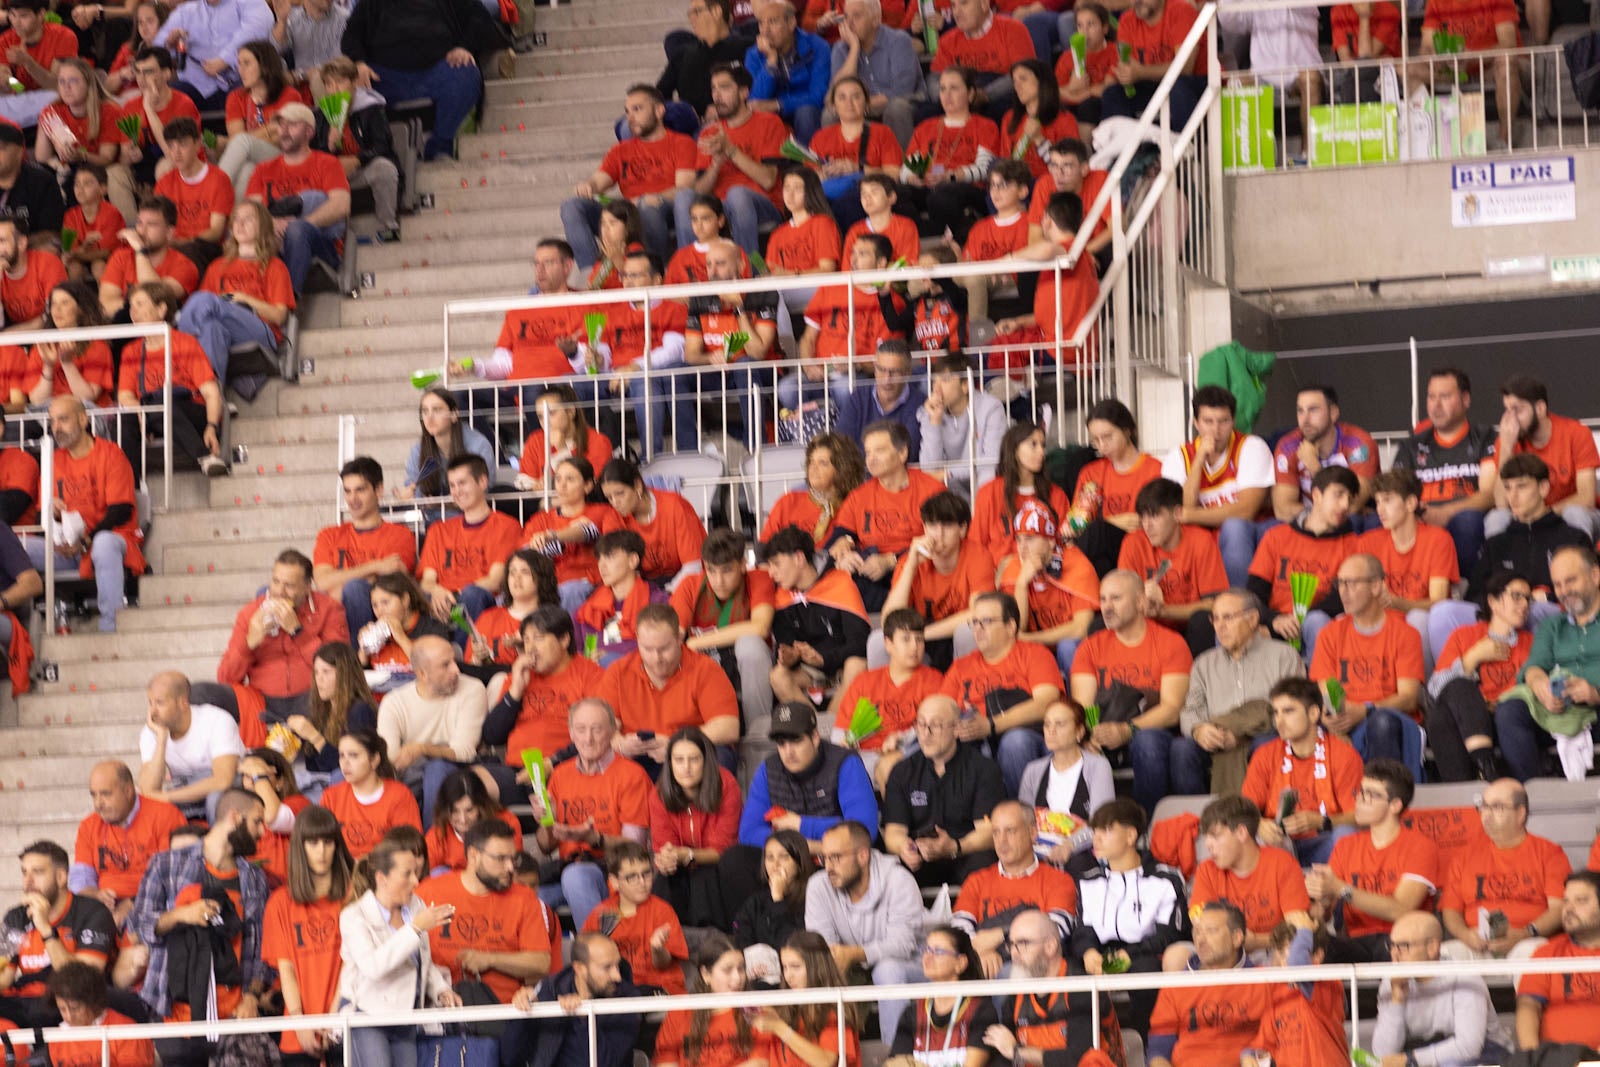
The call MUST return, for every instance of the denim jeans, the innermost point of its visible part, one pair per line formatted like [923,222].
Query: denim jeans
[1384,735]
[806,121]
[1162,766]
[1318,847]
[1525,745]
[389,1046]
[356,596]
[1236,540]
[580,218]
[1466,530]
[1015,749]
[794,388]
[106,552]
[1186,91]
[1188,768]
[582,887]
[453,90]
[746,207]
[219,324]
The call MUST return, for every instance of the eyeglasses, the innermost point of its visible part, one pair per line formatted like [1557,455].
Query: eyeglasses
[636,878]
[1373,795]
[1519,597]
[1411,946]
[1496,807]
[935,727]
[1232,616]
[978,623]
[1345,583]
[830,858]
[934,950]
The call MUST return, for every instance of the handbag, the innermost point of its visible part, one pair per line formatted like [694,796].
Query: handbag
[475,994]
[36,1056]
[458,1050]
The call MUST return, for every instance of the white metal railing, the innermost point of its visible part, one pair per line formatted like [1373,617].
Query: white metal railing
[591,1010]
[113,413]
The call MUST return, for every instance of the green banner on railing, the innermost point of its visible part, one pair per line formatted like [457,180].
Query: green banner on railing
[1249,137]
[1346,134]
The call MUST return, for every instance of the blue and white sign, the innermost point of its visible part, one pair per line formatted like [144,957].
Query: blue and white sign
[1513,192]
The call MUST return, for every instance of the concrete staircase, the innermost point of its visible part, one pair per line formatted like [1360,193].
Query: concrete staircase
[543,130]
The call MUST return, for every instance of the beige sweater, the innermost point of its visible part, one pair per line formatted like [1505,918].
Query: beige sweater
[406,718]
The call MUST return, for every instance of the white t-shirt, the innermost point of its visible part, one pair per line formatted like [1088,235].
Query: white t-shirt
[1219,485]
[212,733]
[1063,786]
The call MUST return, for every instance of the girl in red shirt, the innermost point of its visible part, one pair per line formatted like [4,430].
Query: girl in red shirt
[264,90]
[369,801]
[834,468]
[851,148]
[530,582]
[808,241]
[694,819]
[1118,475]
[1036,121]
[1022,476]
[568,529]
[959,148]
[803,1033]
[1081,89]
[720,1038]
[708,222]
[566,432]
[672,532]
[300,927]
[81,127]
[71,368]
[197,409]
[463,799]
[401,615]
[620,229]
[148,18]
[246,295]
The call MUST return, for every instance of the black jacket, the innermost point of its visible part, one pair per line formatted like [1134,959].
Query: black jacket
[1524,548]
[1141,911]
[416,34]
[565,1042]
[368,125]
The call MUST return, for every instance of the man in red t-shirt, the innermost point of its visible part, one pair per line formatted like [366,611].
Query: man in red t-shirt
[643,926]
[27,275]
[316,231]
[732,158]
[648,168]
[1566,446]
[1069,172]
[33,47]
[986,43]
[348,556]
[1263,883]
[1565,1008]
[1503,895]
[1180,565]
[117,839]
[1154,30]
[1485,25]
[1130,665]
[200,191]
[941,576]
[147,256]
[95,481]
[1306,776]
[464,558]
[1209,1025]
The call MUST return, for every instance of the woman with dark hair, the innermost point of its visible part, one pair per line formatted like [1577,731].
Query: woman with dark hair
[564,431]
[1022,476]
[1070,779]
[530,582]
[264,90]
[852,148]
[834,468]
[620,229]
[672,532]
[708,221]
[937,1030]
[148,18]
[568,527]
[1037,120]
[401,615]
[76,368]
[959,146]
[311,898]
[245,296]
[462,800]
[340,700]
[266,773]
[807,242]
[370,800]
[694,819]
[807,1035]
[722,1037]
[770,917]
[444,437]
[1108,486]
[387,966]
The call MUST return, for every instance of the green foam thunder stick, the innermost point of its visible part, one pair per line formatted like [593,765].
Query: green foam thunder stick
[423,379]
[1080,53]
[538,774]
[930,27]
[865,721]
[1125,54]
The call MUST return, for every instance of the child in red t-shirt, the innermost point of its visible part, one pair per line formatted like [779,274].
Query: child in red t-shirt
[644,927]
[95,220]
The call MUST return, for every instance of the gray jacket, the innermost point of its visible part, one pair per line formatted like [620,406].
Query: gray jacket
[886,922]
[1454,1009]
[984,424]
[1218,683]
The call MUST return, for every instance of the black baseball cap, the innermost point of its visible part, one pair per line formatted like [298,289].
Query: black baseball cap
[793,720]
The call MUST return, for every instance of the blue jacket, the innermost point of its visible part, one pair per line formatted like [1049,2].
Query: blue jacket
[856,800]
[801,81]
[861,410]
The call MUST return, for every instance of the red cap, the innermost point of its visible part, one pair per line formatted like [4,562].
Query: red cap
[1034,518]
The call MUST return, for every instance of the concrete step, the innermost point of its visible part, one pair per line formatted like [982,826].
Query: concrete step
[478,196]
[248,522]
[267,428]
[478,277]
[28,753]
[609,12]
[272,488]
[599,110]
[548,86]
[393,308]
[17,774]
[386,366]
[90,650]
[323,342]
[234,588]
[305,458]
[129,676]
[334,399]
[152,617]
[564,168]
[52,810]
[572,136]
[504,244]
[587,56]
[602,31]
[21,827]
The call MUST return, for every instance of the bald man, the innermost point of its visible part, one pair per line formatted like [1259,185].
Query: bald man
[1128,665]
[433,725]
[116,840]
[188,752]
[94,482]
[712,319]
[1059,1028]
[1445,1020]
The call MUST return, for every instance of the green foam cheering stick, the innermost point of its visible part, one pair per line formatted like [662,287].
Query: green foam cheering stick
[424,379]
[69,237]
[734,343]
[1080,54]
[1125,54]
[865,721]
[538,774]
[1303,590]
[131,125]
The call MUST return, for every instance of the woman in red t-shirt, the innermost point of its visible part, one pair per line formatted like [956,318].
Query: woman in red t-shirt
[804,1033]
[807,242]
[462,800]
[959,148]
[1036,121]
[694,819]
[369,802]
[81,128]
[1117,476]
[300,927]
[264,90]
[852,148]
[565,432]
[246,295]
[719,1038]
[834,468]
[197,409]
[71,368]
[620,229]
[1022,476]
[530,583]
[148,18]
[569,527]
[401,615]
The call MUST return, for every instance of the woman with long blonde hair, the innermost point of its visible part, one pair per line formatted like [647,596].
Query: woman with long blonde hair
[245,297]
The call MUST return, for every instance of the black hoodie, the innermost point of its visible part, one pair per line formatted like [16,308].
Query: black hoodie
[1524,548]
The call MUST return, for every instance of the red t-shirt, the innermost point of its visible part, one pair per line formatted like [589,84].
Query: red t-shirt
[616,797]
[697,694]
[688,264]
[991,239]
[971,680]
[240,106]
[1520,881]
[882,149]
[1098,65]
[27,297]
[209,194]
[91,485]
[828,313]
[577,560]
[699,611]
[1158,44]
[1286,550]
[508,921]
[143,371]
[308,936]
[672,536]
[1494,676]
[446,848]
[530,335]
[119,854]
[1570,1000]
[1356,860]
[1369,666]
[1088,192]
[761,138]
[1053,602]
[56,42]
[364,825]
[720,1047]
[1213,1024]
[1475,20]
[1196,571]
[883,520]
[598,452]
[625,325]
[1079,290]
[798,508]
[642,168]
[1301,1030]
[1569,452]
[178,106]
[342,547]
[1003,43]
[991,897]
[632,934]
[938,596]
[122,270]
[1118,489]
[904,241]
[991,517]
[1159,653]
[950,148]
[1407,574]
[94,364]
[1265,895]
[277,177]
[1384,26]
[108,223]
[802,248]
[897,704]
[459,552]
[1325,782]
[1064,125]
[542,722]
[270,284]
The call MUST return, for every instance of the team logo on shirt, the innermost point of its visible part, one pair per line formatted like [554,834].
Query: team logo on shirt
[919,798]
[317,932]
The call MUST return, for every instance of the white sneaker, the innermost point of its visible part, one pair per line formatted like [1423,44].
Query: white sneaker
[213,466]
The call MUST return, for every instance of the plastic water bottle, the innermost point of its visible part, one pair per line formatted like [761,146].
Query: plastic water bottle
[63,626]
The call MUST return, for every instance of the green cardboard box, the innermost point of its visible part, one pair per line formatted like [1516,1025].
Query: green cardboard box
[1347,134]
[1249,137]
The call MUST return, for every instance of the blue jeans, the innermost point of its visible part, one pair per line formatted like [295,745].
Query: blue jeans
[1189,768]
[1042,26]
[356,596]
[219,324]
[1066,649]
[1015,749]
[1387,734]
[806,121]
[580,218]
[573,594]
[1236,541]
[791,388]
[1523,743]
[389,1046]
[1466,530]
[1318,847]
[106,551]
[732,387]
[582,888]
[1161,767]
[475,599]
[453,90]
[1185,97]
[304,242]
[746,208]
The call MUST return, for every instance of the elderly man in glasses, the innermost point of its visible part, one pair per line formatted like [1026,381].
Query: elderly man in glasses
[1033,1030]
[1445,1019]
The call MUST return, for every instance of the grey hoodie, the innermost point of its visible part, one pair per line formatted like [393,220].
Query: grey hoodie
[886,922]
